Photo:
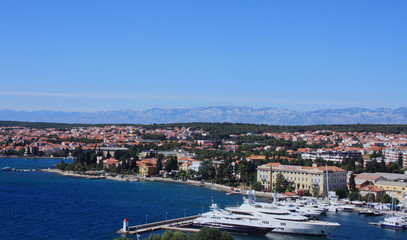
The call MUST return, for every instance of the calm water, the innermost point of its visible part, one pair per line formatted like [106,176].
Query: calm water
[38,205]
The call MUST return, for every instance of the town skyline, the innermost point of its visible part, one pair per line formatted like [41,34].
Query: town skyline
[239,155]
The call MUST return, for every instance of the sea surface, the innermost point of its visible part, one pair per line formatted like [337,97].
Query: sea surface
[40,205]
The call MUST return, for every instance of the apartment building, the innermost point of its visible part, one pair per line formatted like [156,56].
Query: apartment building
[393,154]
[303,177]
[331,155]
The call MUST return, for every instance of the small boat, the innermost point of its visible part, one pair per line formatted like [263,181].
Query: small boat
[7,169]
[366,212]
[399,223]
[348,208]
[378,213]
[369,212]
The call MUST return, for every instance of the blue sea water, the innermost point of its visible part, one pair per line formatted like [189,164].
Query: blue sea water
[40,205]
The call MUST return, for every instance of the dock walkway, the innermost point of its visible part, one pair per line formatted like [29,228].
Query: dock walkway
[172,224]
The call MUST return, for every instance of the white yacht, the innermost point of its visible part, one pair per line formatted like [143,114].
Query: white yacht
[300,208]
[282,221]
[249,206]
[348,208]
[221,219]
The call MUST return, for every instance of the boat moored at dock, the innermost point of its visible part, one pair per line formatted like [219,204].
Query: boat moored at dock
[282,221]
[6,168]
[221,219]
[396,222]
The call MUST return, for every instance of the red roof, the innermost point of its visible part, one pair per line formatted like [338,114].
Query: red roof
[332,168]
[274,164]
[110,161]
[371,188]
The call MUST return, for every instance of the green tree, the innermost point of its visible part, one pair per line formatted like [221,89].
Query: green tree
[290,187]
[281,183]
[385,199]
[315,191]
[400,161]
[212,234]
[247,170]
[372,166]
[154,237]
[352,184]
[169,235]
[370,197]
[171,164]
[340,192]
[257,186]
[178,236]
[116,155]
[394,168]
[382,166]
[226,236]
[62,166]
[354,196]
[158,166]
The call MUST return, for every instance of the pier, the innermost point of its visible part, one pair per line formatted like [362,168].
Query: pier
[176,224]
[19,170]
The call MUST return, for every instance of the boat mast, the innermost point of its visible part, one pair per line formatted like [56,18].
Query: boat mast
[370,193]
[327,182]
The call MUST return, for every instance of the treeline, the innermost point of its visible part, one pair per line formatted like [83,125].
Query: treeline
[223,130]
[58,126]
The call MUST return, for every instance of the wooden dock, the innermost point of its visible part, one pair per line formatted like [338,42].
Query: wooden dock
[177,224]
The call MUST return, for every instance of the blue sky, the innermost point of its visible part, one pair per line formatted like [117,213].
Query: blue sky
[110,55]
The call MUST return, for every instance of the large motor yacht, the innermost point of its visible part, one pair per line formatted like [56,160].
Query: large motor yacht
[282,221]
[221,219]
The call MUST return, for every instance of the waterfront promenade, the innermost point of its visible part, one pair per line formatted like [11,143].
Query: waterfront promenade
[127,178]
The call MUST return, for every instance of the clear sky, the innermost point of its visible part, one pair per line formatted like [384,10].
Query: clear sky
[81,55]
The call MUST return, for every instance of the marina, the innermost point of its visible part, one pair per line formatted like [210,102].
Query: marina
[76,208]
[260,218]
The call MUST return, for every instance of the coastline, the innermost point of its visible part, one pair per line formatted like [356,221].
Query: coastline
[213,186]
[73,174]
[27,157]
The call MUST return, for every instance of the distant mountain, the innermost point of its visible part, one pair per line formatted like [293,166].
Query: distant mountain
[271,116]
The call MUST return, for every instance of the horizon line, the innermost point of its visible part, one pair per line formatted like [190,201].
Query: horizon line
[210,106]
